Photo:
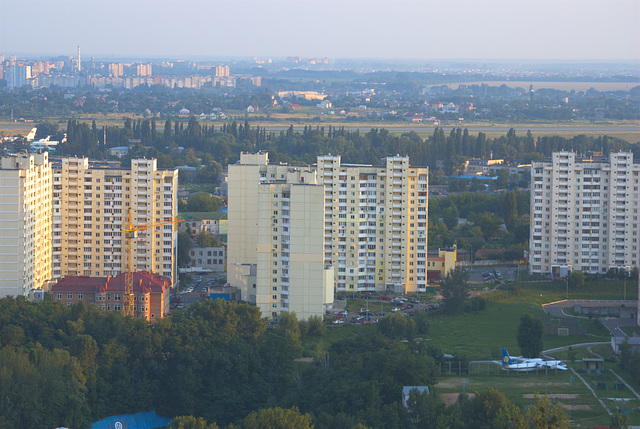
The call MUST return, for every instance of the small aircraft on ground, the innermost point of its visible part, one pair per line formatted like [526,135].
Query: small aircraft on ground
[45,143]
[521,364]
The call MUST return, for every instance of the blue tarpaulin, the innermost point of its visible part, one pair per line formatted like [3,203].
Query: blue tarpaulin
[144,420]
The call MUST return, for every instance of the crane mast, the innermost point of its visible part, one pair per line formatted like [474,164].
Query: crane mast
[131,233]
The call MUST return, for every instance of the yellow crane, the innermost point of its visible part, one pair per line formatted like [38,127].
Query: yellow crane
[131,232]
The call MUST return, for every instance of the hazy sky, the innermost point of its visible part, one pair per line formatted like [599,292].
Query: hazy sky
[422,29]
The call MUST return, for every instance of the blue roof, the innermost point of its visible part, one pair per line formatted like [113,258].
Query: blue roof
[144,420]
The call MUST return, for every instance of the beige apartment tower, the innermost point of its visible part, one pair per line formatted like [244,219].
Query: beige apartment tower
[584,213]
[275,235]
[375,224]
[25,223]
[372,222]
[91,203]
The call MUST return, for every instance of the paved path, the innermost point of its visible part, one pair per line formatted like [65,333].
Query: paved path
[592,391]
[555,308]
[559,349]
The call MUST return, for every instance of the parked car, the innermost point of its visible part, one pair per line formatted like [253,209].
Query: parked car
[394,309]
[338,322]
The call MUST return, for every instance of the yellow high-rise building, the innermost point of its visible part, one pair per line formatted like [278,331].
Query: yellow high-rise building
[90,205]
[375,224]
[25,223]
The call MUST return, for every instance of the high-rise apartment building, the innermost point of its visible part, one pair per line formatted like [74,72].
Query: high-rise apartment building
[275,237]
[143,69]
[371,221]
[375,224]
[17,76]
[222,71]
[25,223]
[584,213]
[90,205]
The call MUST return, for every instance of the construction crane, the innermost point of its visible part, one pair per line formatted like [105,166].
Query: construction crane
[131,232]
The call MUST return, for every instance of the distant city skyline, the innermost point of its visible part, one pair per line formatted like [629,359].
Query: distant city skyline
[565,30]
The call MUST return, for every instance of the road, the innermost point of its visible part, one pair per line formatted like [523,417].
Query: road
[612,324]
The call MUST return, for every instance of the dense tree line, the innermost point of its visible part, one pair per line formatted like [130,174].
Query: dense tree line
[217,361]
[204,144]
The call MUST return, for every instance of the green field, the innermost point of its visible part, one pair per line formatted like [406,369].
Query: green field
[563,388]
[481,336]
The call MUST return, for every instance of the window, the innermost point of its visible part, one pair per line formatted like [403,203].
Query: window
[69,295]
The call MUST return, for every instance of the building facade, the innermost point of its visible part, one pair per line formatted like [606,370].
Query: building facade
[275,238]
[375,224]
[25,223]
[208,258]
[584,213]
[371,222]
[91,204]
[151,293]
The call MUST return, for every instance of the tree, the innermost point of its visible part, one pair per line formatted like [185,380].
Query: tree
[190,422]
[576,279]
[203,202]
[619,421]
[206,239]
[455,289]
[546,415]
[184,247]
[490,409]
[529,336]
[503,178]
[510,211]
[278,418]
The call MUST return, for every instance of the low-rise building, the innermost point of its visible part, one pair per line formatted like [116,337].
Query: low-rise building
[440,262]
[208,258]
[151,293]
[195,227]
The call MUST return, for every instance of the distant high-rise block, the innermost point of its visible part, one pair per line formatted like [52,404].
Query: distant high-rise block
[222,71]
[17,76]
[25,223]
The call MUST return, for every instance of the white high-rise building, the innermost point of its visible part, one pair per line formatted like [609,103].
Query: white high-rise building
[25,223]
[90,205]
[584,213]
[275,238]
[17,76]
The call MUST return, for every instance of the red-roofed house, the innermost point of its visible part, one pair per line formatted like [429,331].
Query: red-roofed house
[150,293]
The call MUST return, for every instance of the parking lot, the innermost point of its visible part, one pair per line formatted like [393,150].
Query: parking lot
[197,290]
[374,307]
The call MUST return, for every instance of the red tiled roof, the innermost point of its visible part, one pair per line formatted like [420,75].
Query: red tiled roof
[143,281]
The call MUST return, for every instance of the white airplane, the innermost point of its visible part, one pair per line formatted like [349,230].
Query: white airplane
[520,364]
[32,134]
